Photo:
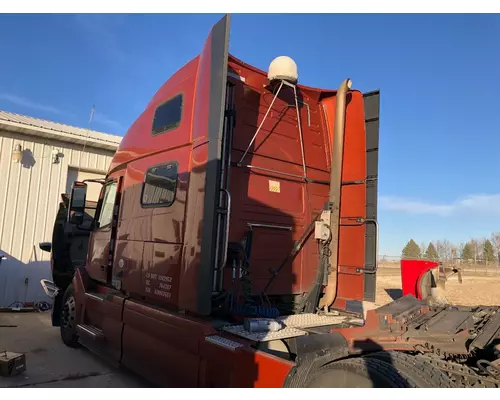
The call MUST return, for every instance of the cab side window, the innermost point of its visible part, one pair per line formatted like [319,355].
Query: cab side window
[160,185]
[107,206]
[168,115]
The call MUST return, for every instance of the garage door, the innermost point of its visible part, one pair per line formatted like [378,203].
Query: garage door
[93,189]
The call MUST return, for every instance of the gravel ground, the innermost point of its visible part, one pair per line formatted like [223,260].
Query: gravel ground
[474,290]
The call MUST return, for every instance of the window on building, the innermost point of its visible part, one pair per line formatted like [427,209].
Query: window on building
[160,185]
[168,115]
[108,204]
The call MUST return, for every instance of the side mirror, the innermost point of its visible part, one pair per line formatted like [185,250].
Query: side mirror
[77,199]
[45,246]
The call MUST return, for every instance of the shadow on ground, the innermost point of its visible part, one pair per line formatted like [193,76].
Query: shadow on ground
[394,293]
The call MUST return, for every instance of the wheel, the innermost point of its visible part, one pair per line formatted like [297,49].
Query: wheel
[361,372]
[422,374]
[68,319]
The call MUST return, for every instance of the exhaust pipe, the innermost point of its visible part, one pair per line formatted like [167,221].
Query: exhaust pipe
[335,186]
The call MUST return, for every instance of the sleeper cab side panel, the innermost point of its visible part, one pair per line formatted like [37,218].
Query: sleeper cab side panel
[191,253]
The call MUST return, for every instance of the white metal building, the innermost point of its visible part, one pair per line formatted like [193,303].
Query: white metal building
[39,160]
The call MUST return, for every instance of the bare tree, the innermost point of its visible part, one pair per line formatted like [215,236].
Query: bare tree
[460,250]
[480,256]
[454,253]
[444,249]
[438,244]
[423,246]
[474,245]
[495,241]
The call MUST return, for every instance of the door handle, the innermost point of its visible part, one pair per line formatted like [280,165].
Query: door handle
[103,267]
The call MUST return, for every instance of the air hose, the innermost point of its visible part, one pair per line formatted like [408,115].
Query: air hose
[297,246]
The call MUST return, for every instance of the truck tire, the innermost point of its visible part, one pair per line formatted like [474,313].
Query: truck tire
[68,319]
[361,372]
[421,373]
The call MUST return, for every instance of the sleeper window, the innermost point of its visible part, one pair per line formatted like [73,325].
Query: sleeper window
[168,115]
[160,185]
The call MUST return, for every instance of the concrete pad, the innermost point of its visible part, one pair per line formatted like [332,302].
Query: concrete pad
[49,363]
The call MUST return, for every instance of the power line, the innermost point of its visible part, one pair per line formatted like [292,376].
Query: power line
[87,137]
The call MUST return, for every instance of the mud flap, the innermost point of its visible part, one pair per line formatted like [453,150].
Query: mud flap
[314,351]
[56,309]
[331,347]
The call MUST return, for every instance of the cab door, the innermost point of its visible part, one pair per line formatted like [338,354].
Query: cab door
[101,247]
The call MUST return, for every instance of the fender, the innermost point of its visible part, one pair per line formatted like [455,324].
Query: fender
[314,351]
[412,272]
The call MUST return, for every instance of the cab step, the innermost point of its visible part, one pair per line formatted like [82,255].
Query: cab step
[92,338]
[90,332]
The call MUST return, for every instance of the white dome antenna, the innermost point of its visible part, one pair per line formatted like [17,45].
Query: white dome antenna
[283,68]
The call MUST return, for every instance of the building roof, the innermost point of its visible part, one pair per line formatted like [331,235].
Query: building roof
[38,127]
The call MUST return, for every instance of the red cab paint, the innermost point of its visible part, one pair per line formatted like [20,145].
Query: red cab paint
[199,214]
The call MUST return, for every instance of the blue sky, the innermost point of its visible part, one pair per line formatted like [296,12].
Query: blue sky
[439,77]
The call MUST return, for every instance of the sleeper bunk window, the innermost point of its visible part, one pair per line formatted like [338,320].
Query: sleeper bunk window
[168,115]
[160,186]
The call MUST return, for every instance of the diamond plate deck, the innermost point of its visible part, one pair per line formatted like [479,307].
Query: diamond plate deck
[224,342]
[293,326]
[310,320]
[284,333]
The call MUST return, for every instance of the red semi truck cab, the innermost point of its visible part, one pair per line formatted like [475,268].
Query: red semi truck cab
[222,176]
[236,194]
[235,241]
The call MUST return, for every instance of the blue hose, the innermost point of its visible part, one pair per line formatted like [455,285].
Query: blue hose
[257,311]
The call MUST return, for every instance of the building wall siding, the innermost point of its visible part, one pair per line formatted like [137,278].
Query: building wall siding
[29,200]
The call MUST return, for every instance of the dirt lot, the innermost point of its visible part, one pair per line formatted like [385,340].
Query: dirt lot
[474,290]
[49,362]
